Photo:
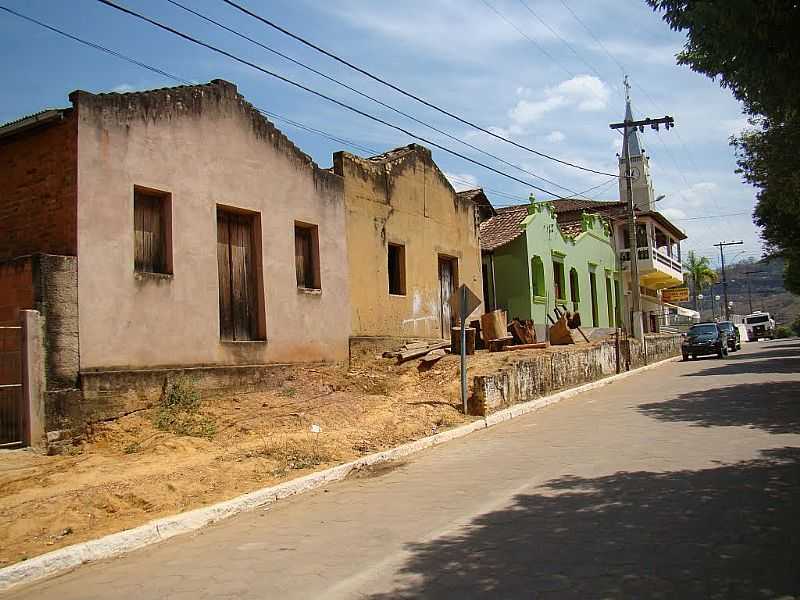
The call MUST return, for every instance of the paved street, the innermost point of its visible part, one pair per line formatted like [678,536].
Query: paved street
[682,482]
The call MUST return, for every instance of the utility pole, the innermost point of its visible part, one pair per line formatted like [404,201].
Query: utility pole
[721,246]
[749,292]
[633,246]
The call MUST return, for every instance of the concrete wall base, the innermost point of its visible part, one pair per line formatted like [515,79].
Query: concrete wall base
[546,372]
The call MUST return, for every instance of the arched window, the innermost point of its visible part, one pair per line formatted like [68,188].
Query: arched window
[537,276]
[574,288]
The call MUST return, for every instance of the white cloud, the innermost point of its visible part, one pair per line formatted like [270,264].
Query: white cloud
[123,88]
[462,181]
[555,137]
[586,93]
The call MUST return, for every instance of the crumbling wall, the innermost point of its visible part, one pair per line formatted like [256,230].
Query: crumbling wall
[547,372]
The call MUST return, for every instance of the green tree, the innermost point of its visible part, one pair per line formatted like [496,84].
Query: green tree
[751,47]
[698,274]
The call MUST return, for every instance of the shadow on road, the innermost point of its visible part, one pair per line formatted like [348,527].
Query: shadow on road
[725,532]
[750,363]
[773,407]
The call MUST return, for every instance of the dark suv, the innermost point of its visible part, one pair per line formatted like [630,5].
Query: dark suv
[704,338]
[734,337]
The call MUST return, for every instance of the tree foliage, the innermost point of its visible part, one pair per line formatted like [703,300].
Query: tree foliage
[698,273]
[751,47]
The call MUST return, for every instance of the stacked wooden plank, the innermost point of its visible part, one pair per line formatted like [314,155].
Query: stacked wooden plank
[419,349]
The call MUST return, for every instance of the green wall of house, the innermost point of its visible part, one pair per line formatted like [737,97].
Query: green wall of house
[525,270]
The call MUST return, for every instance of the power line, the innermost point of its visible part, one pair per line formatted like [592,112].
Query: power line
[178,79]
[367,96]
[565,42]
[526,36]
[270,114]
[407,93]
[321,95]
[594,37]
[712,216]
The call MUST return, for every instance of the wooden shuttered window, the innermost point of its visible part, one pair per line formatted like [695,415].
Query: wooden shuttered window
[150,232]
[306,255]
[238,306]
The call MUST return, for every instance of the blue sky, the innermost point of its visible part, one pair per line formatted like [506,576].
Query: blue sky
[555,88]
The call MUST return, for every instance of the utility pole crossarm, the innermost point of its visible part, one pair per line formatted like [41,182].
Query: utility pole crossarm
[666,121]
[628,126]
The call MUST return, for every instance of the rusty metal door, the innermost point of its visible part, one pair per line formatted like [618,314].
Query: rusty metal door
[447,285]
[12,415]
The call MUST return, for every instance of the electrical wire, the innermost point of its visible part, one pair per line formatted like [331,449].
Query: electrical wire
[367,96]
[565,42]
[409,94]
[526,36]
[266,113]
[314,92]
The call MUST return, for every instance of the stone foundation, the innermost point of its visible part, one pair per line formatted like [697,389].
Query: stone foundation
[548,372]
[106,395]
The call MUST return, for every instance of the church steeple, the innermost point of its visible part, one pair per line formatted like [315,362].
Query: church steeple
[634,147]
[641,182]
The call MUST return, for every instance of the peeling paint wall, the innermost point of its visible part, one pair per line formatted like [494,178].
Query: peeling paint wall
[206,146]
[404,199]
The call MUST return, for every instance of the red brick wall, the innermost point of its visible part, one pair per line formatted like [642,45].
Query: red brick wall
[38,190]
[16,287]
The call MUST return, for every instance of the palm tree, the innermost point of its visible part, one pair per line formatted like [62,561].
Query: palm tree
[698,273]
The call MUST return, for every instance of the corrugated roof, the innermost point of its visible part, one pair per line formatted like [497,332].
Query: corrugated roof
[32,119]
[503,228]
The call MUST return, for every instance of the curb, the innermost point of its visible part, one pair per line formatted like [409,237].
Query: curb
[116,544]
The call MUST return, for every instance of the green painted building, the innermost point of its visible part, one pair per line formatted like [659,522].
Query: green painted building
[531,263]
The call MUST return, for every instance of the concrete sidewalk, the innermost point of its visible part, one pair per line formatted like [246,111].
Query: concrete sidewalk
[679,482]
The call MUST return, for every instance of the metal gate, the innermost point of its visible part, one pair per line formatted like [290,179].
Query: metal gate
[12,415]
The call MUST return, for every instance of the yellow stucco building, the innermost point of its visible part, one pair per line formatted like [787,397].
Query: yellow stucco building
[411,239]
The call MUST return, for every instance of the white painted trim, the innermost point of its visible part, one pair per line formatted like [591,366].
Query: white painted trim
[116,544]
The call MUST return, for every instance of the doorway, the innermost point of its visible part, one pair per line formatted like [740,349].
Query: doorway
[448,280]
[593,290]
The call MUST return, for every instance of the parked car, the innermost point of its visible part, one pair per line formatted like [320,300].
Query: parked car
[704,338]
[734,338]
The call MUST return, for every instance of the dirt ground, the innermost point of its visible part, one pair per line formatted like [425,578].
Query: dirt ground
[127,472]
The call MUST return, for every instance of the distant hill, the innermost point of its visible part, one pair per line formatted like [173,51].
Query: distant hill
[768,293]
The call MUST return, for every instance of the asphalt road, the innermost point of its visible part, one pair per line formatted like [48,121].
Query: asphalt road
[681,482]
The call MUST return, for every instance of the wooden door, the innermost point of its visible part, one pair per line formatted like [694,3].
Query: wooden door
[446,287]
[593,290]
[235,262]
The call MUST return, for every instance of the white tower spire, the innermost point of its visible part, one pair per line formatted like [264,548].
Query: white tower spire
[641,181]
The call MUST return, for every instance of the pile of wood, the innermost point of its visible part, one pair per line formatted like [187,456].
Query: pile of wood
[499,336]
[413,350]
[563,326]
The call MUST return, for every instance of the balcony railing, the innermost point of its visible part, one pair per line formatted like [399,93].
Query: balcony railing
[646,253]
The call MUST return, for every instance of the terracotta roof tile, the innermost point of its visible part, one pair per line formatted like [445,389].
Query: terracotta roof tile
[503,227]
[571,228]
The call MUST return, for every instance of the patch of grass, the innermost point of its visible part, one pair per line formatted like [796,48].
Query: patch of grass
[132,448]
[293,454]
[288,392]
[179,410]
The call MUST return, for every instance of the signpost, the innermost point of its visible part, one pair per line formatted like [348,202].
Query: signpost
[680,294]
[463,302]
